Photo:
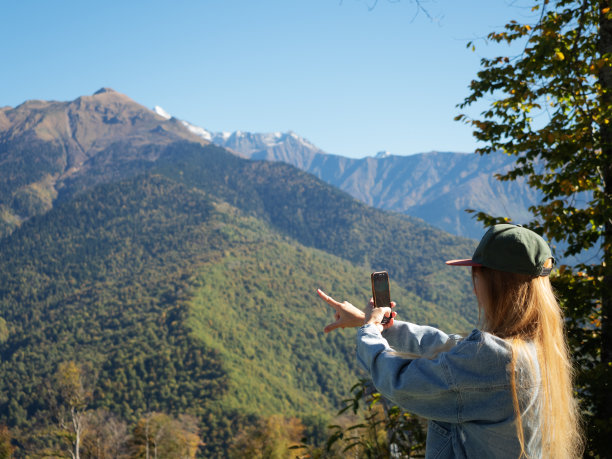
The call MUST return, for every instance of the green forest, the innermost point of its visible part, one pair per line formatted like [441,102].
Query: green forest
[183,299]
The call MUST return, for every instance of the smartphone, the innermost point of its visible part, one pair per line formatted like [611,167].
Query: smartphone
[380,291]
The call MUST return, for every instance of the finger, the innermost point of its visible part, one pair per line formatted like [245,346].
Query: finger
[328,299]
[332,326]
[393,304]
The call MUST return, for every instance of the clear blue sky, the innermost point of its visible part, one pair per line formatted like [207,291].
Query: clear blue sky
[352,80]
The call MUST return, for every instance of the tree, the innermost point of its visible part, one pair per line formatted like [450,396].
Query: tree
[270,437]
[158,435]
[106,437]
[72,387]
[4,331]
[6,448]
[552,109]
[385,431]
[368,426]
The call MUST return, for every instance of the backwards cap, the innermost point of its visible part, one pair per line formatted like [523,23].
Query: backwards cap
[510,248]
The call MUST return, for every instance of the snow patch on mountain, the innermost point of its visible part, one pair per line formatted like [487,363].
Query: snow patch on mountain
[198,131]
[382,154]
[161,112]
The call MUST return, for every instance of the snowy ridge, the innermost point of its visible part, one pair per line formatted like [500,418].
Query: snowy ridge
[272,139]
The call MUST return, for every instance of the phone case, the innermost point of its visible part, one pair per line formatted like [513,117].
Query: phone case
[380,291]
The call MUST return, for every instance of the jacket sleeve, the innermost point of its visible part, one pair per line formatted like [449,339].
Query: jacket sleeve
[468,382]
[415,339]
[421,386]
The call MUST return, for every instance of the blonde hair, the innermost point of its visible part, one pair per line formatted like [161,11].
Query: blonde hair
[523,309]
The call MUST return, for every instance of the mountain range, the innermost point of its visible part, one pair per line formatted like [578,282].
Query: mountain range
[180,277]
[437,187]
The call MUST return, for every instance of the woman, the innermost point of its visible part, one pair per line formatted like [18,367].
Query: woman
[503,391]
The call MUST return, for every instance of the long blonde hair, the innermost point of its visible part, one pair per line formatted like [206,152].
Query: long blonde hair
[522,309]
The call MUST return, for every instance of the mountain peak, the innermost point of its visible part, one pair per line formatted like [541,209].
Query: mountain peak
[103,91]
[382,154]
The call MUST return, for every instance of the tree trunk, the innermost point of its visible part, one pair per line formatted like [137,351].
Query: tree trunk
[605,79]
[76,422]
[147,436]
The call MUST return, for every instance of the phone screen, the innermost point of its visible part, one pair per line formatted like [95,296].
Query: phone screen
[380,291]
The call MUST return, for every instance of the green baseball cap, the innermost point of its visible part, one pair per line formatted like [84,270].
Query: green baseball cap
[511,248]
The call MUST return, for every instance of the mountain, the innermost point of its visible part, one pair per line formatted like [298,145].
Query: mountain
[47,146]
[437,187]
[181,277]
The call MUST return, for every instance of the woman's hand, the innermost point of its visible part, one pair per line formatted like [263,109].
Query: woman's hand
[346,314]
[376,315]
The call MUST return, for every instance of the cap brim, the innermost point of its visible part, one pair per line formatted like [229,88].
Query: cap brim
[467,262]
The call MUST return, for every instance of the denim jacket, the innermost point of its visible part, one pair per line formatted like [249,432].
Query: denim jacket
[464,392]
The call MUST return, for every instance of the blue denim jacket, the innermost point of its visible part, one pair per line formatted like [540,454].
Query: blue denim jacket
[464,392]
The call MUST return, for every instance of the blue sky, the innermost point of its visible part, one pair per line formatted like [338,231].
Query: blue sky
[351,79]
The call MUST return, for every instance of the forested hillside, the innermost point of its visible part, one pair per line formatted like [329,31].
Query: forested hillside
[174,283]
[177,304]
[321,216]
